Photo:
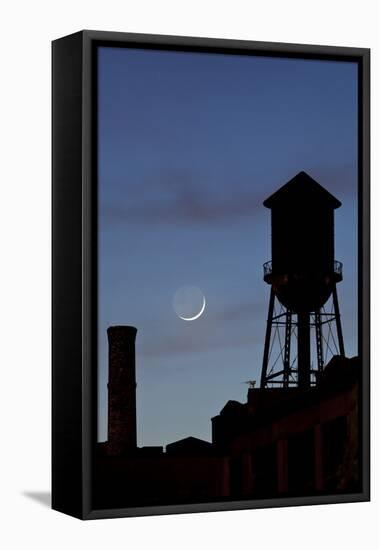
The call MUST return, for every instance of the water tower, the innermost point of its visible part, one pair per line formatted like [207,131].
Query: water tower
[303,276]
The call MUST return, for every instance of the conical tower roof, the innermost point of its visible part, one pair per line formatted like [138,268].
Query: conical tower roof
[302,189]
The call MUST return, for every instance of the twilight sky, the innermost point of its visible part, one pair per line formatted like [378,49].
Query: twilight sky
[189,146]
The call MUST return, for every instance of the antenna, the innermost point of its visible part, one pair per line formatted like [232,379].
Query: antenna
[251,383]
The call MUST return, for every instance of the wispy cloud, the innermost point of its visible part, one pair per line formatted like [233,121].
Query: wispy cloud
[340,180]
[229,327]
[178,344]
[181,198]
[239,312]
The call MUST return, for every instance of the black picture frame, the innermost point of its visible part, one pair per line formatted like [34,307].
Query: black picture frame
[74,293]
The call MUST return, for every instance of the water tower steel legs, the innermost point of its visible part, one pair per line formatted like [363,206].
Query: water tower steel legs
[319,343]
[266,351]
[338,321]
[287,350]
[302,375]
[303,350]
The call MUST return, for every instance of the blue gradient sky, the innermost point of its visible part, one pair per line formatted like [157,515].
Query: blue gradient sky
[189,146]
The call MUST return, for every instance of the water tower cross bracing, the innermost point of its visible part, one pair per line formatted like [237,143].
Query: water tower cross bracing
[303,323]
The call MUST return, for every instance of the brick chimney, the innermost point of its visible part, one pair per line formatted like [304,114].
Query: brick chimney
[122,429]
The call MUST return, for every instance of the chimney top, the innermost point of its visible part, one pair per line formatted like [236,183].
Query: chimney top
[121,331]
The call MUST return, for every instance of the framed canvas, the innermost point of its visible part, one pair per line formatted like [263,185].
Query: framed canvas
[210,275]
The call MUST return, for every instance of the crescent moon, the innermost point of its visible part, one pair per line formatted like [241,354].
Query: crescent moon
[197,315]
